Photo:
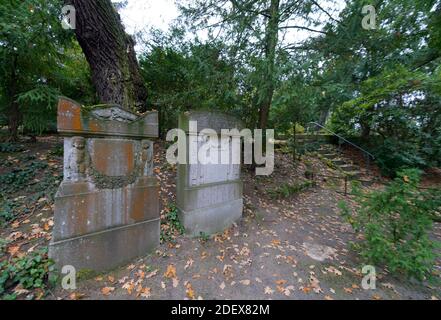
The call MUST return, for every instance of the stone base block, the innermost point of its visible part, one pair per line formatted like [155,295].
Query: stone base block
[211,220]
[108,249]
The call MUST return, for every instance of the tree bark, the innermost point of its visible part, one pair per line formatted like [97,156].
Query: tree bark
[271,39]
[110,54]
[14,110]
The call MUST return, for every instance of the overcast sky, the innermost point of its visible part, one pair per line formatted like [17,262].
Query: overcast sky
[141,15]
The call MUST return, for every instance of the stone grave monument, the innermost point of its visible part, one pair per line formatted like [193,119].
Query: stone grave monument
[209,195]
[107,207]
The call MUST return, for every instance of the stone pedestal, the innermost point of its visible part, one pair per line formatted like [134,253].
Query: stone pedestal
[107,207]
[209,196]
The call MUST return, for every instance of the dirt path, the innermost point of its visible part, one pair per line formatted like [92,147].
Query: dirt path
[293,248]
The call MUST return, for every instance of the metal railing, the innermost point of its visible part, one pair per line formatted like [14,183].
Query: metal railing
[367,154]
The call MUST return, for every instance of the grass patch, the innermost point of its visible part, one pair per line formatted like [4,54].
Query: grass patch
[286,190]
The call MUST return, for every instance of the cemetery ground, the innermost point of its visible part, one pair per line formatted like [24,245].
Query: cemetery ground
[291,243]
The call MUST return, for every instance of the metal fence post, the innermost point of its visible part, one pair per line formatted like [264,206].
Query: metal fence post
[346,185]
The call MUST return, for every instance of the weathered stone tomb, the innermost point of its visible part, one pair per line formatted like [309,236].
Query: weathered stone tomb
[106,208]
[209,194]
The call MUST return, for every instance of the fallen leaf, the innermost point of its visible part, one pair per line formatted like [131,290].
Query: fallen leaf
[388,286]
[269,291]
[189,291]
[76,296]
[171,272]
[306,289]
[107,290]
[129,286]
[146,293]
[222,285]
[19,290]
[188,264]
[152,274]
[13,250]
[245,282]
[348,290]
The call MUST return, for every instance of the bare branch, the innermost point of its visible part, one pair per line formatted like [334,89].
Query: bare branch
[303,28]
[323,10]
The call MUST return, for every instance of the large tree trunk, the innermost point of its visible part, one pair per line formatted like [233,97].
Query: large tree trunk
[110,54]
[14,115]
[271,39]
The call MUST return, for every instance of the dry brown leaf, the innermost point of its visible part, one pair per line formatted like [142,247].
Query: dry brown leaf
[146,292]
[306,289]
[107,290]
[171,272]
[13,250]
[348,290]
[189,291]
[76,296]
[129,286]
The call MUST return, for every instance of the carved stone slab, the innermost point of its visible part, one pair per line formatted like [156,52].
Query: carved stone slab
[106,208]
[108,121]
[209,196]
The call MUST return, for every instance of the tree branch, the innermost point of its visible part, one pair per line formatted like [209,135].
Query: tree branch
[303,28]
[323,10]
[241,8]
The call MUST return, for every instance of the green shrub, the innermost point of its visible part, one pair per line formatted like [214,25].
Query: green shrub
[395,224]
[31,272]
[19,178]
[286,190]
[171,225]
[204,237]
[394,155]
[6,212]
[10,147]
[3,244]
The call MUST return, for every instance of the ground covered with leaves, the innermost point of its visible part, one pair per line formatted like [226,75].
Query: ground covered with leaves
[292,242]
